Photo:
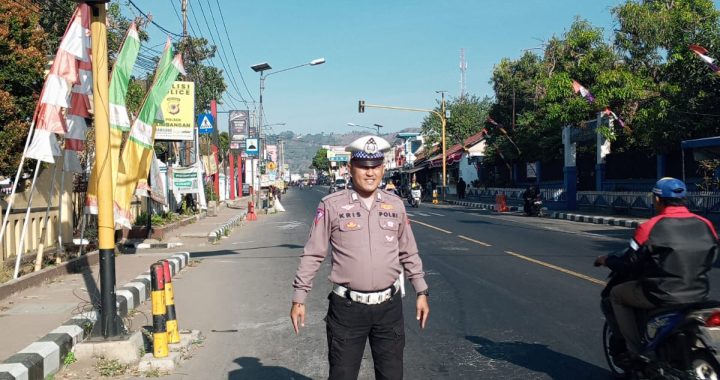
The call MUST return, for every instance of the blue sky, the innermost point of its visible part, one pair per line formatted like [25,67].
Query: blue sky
[385,52]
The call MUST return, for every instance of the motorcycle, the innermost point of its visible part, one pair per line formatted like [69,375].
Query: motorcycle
[677,341]
[414,198]
[533,206]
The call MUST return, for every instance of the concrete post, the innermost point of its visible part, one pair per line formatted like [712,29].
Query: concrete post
[661,165]
[570,170]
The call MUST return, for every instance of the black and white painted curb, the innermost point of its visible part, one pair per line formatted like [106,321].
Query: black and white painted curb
[225,228]
[609,220]
[45,357]
[140,245]
[483,206]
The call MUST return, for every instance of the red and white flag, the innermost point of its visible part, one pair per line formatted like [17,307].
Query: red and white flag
[70,74]
[703,54]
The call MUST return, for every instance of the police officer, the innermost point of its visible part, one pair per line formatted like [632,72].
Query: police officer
[367,273]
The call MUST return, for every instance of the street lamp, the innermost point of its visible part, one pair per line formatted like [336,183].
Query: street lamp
[376,129]
[261,68]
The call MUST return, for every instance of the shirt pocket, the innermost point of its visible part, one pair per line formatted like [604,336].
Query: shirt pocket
[352,233]
[389,228]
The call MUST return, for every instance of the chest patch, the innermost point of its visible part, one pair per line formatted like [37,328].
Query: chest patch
[387,206]
[352,226]
[348,207]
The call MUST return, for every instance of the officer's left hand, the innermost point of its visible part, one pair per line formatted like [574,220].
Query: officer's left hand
[423,309]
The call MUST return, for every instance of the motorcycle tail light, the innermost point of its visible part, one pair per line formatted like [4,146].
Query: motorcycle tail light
[713,320]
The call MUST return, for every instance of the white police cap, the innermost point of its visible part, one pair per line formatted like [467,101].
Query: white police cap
[368,150]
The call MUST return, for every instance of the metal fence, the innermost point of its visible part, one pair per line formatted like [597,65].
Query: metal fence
[621,202]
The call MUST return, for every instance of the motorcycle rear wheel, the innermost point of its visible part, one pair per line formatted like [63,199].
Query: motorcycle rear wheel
[617,371]
[704,366]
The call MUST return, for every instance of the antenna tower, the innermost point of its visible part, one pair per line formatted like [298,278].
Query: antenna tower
[463,70]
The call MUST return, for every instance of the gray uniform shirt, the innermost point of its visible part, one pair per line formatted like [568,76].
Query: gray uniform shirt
[370,247]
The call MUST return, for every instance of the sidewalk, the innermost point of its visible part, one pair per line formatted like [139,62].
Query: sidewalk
[581,216]
[40,324]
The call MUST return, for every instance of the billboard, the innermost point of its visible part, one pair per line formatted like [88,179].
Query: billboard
[178,110]
[238,125]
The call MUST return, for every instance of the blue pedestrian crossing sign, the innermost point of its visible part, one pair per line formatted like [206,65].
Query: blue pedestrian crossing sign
[205,123]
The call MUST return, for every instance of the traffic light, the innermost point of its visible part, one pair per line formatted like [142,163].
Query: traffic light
[361,106]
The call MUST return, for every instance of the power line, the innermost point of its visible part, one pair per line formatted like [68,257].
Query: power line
[152,21]
[232,49]
[192,47]
[231,79]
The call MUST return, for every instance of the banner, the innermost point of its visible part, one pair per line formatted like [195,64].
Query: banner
[238,126]
[178,109]
[185,179]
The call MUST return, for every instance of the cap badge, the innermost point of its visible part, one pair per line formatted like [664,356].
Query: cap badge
[371,146]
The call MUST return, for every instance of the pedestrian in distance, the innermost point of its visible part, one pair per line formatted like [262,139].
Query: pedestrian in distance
[461,188]
[367,273]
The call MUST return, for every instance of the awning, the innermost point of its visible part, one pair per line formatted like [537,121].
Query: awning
[703,149]
[701,143]
[414,170]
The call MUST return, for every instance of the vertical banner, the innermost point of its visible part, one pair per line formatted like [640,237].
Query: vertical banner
[178,109]
[238,126]
[186,179]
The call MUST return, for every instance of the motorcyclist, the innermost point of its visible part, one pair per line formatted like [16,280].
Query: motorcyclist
[414,185]
[529,196]
[666,263]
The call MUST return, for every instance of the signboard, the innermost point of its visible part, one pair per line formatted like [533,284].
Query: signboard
[252,147]
[185,180]
[238,123]
[205,123]
[178,111]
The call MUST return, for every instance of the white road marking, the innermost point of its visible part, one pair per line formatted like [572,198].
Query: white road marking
[435,213]
[423,214]
[409,214]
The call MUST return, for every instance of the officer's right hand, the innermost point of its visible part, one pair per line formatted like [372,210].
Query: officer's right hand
[297,314]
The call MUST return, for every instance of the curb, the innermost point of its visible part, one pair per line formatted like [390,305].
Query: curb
[225,228]
[139,245]
[483,206]
[630,223]
[74,265]
[609,220]
[45,357]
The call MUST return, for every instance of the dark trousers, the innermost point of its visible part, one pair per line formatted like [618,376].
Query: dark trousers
[350,324]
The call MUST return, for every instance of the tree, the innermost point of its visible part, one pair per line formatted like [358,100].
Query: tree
[209,81]
[468,115]
[653,37]
[21,71]
[320,161]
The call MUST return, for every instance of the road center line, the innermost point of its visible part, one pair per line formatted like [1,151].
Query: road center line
[557,268]
[433,227]
[474,241]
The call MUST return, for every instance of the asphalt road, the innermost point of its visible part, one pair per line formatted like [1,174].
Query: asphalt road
[511,298]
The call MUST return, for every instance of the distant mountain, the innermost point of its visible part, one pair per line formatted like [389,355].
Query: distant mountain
[301,148]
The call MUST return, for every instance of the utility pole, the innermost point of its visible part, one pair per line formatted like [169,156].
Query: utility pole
[110,322]
[183,6]
[443,123]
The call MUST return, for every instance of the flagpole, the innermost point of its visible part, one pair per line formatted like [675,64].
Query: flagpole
[60,247]
[21,243]
[17,179]
[43,231]
[110,322]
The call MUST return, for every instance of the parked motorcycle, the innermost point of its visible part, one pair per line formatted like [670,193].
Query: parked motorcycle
[414,197]
[678,342]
